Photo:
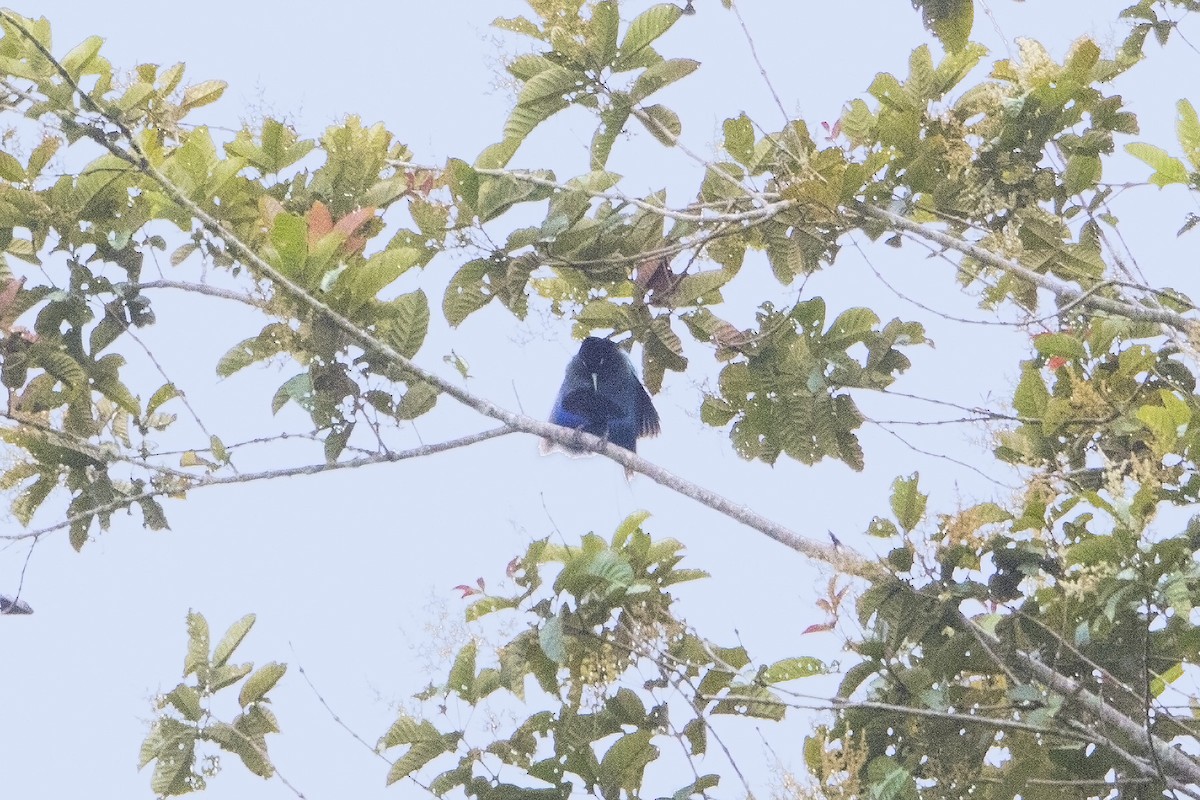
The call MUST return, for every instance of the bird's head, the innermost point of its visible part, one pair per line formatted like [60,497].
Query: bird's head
[600,356]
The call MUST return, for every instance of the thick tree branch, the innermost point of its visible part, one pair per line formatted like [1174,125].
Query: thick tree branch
[1063,292]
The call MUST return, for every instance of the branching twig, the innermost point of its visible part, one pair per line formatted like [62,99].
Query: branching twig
[287,472]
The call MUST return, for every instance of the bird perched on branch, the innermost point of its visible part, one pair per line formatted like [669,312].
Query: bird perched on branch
[601,394]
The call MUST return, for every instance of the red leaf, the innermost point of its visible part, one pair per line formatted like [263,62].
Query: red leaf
[467,591]
[319,222]
[513,566]
[354,220]
[819,628]
[1056,362]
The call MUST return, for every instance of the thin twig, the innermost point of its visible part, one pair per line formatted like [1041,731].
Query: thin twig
[287,472]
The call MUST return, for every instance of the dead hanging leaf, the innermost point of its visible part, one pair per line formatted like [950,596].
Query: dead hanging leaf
[420,182]
[654,277]
[269,208]
[727,336]
[8,296]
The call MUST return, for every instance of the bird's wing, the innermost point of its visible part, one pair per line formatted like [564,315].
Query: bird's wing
[590,406]
[647,415]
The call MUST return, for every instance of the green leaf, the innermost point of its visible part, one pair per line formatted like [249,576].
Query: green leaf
[602,34]
[701,785]
[467,292]
[889,780]
[420,398]
[790,669]
[716,411]
[462,673]
[11,169]
[364,281]
[1059,344]
[336,440]
[201,94]
[696,733]
[552,641]
[858,122]
[31,498]
[487,605]
[1031,396]
[404,322]
[882,528]
[227,675]
[153,517]
[271,340]
[625,763]
[181,253]
[518,25]
[176,755]
[108,385]
[82,56]
[1083,172]
[662,74]
[260,682]
[431,218]
[628,527]
[298,388]
[551,83]
[417,756]
[643,30]
[1167,168]
[186,700]
[693,289]
[950,21]
[243,744]
[427,743]
[1162,426]
[41,156]
[852,326]
[289,234]
[409,730]
[612,122]
[908,504]
[739,139]
[900,558]
[495,156]
[663,124]
[59,365]
[165,393]
[232,638]
[197,652]
[1187,127]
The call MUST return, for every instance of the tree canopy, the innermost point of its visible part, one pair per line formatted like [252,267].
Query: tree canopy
[1034,643]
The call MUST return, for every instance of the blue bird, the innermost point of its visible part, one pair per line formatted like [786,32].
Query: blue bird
[601,394]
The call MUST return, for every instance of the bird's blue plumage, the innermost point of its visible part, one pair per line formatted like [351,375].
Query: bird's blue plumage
[601,394]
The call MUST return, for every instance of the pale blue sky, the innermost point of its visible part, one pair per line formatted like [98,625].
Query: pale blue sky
[346,570]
